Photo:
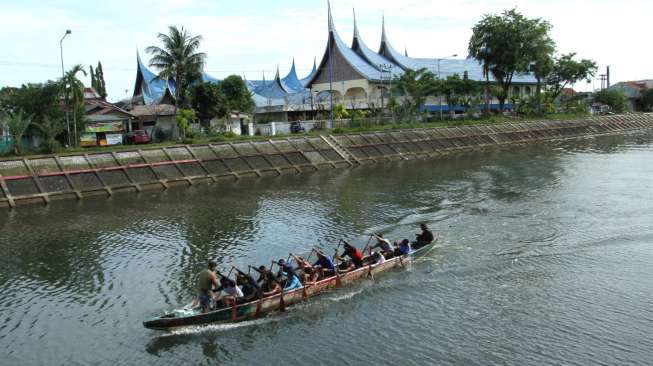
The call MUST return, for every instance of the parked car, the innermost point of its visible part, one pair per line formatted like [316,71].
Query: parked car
[137,137]
[296,127]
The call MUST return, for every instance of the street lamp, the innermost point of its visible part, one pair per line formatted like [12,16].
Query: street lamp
[440,94]
[63,84]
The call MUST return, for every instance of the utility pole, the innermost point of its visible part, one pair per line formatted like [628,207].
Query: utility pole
[63,84]
[440,78]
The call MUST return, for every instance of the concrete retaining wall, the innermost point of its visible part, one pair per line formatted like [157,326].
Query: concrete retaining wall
[45,178]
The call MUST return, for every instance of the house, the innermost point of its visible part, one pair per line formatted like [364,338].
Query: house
[632,90]
[159,120]
[106,122]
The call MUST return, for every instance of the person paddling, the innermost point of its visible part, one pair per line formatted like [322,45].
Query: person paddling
[353,253]
[207,279]
[324,264]
[384,245]
[424,238]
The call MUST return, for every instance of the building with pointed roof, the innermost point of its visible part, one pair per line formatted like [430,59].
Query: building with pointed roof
[355,76]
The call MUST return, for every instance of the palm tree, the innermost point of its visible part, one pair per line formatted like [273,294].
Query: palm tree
[178,59]
[74,92]
[51,128]
[16,124]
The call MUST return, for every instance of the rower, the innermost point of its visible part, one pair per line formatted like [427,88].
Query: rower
[353,253]
[292,281]
[384,245]
[426,237]
[232,292]
[309,274]
[251,289]
[402,247]
[378,258]
[270,287]
[207,279]
[324,264]
[263,273]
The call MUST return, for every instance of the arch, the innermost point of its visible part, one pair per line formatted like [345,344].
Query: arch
[515,91]
[323,96]
[356,94]
[527,90]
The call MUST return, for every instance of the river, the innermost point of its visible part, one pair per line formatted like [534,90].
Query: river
[545,258]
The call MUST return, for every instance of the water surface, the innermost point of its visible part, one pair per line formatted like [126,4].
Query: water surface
[545,257]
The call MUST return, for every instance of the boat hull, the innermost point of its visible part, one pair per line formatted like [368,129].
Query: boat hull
[280,302]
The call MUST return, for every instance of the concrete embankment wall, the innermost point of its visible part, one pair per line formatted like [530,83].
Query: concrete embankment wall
[43,179]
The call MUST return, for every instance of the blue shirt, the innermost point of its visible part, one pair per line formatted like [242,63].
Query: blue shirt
[325,262]
[293,283]
[404,249]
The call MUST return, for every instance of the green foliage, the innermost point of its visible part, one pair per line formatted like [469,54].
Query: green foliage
[97,80]
[340,112]
[645,100]
[40,100]
[237,95]
[509,44]
[74,99]
[184,118]
[178,59]
[16,123]
[208,100]
[567,71]
[415,86]
[51,128]
[615,99]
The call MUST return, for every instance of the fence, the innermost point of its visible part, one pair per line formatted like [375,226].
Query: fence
[46,178]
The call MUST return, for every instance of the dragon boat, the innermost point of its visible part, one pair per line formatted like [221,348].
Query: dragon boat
[189,316]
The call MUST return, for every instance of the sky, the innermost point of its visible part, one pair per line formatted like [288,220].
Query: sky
[251,37]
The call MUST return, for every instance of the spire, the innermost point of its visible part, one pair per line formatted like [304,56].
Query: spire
[356,35]
[332,28]
[384,37]
[292,68]
[263,77]
[276,77]
[405,51]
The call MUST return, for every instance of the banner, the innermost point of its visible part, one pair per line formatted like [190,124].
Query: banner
[104,127]
[114,139]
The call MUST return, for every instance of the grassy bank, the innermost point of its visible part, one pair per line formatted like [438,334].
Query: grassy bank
[363,127]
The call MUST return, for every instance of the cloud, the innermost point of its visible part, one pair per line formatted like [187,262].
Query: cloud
[249,37]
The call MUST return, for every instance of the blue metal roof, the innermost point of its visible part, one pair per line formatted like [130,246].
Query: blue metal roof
[291,82]
[364,68]
[152,88]
[308,78]
[448,66]
[376,60]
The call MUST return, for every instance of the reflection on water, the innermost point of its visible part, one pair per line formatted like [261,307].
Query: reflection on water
[544,258]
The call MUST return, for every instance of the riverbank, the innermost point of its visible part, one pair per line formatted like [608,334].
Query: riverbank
[42,179]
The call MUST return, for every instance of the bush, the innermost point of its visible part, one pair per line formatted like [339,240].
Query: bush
[615,99]
[338,130]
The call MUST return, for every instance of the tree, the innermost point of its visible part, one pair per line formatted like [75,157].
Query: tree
[184,118]
[237,95]
[645,100]
[97,80]
[51,128]
[74,97]
[16,123]
[507,45]
[208,100]
[452,88]
[613,98]
[567,71]
[178,59]
[415,86]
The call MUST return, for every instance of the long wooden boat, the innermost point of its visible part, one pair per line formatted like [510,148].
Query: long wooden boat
[278,302]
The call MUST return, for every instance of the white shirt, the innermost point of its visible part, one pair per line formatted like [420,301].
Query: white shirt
[380,260]
[384,244]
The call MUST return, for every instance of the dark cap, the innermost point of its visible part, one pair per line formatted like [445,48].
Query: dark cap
[212,265]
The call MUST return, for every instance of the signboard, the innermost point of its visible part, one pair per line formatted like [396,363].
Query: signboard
[104,127]
[88,139]
[114,139]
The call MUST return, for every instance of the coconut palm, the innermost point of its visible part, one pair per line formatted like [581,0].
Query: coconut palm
[74,93]
[16,124]
[51,128]
[178,59]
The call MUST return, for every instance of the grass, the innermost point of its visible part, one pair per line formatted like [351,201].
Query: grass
[364,128]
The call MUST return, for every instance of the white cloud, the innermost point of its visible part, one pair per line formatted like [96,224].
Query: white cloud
[254,38]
